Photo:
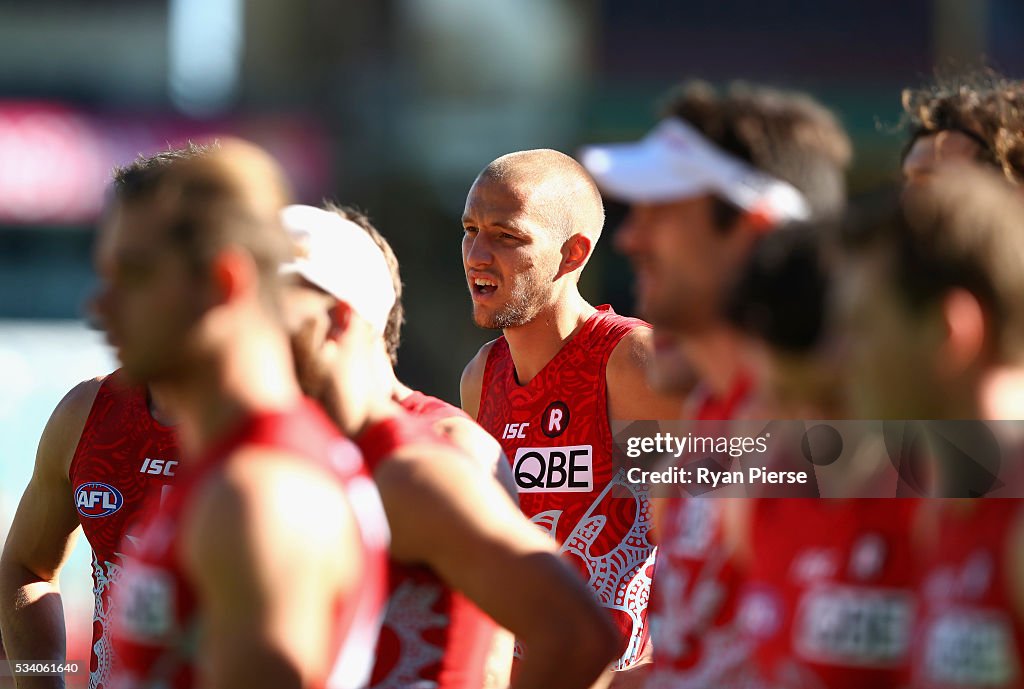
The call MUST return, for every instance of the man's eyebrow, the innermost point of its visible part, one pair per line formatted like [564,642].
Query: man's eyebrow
[511,226]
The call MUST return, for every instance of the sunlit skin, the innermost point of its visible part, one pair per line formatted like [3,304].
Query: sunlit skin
[933,151]
[677,258]
[149,295]
[511,260]
[682,265]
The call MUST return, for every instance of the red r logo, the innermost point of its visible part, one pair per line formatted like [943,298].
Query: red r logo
[555,419]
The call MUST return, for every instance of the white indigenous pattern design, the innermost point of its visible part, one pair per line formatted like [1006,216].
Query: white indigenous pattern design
[410,615]
[104,576]
[620,578]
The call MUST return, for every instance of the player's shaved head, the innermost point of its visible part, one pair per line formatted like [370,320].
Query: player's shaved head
[554,188]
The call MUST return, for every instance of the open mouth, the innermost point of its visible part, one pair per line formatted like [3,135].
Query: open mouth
[482,287]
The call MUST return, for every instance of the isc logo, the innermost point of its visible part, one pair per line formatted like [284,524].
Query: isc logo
[158,467]
[554,469]
[98,500]
[515,430]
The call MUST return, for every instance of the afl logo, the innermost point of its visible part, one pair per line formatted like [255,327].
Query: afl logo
[555,419]
[98,500]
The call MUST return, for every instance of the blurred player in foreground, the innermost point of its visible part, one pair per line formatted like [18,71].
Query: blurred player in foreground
[561,370]
[717,172]
[932,300]
[827,584]
[453,423]
[107,445]
[457,536]
[975,117]
[265,566]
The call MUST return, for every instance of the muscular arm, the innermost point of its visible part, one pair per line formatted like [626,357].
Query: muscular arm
[446,514]
[41,538]
[630,395]
[481,446]
[472,381]
[267,566]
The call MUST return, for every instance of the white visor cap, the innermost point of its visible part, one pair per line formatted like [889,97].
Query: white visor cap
[340,258]
[675,162]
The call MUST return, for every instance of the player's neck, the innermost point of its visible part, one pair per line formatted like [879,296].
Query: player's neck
[159,405]
[360,391]
[716,355]
[253,374]
[536,343]
[401,391]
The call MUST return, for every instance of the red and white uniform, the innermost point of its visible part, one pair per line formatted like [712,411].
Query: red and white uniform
[433,637]
[158,615]
[695,629]
[970,632]
[123,456]
[829,598]
[556,434]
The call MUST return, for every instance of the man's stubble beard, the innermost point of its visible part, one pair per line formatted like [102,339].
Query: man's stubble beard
[525,302]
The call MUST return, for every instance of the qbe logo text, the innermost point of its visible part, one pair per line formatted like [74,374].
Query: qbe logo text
[554,469]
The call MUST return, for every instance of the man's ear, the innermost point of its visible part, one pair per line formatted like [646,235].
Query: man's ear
[965,327]
[232,273]
[341,317]
[575,252]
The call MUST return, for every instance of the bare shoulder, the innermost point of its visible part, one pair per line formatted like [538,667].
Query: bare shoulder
[432,492]
[481,447]
[630,395]
[268,492]
[268,517]
[63,430]
[411,468]
[473,379]
[470,437]
[260,473]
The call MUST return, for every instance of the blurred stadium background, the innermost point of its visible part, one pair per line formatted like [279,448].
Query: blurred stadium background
[393,106]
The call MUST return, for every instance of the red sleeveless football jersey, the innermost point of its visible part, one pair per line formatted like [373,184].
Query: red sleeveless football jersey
[556,434]
[695,627]
[432,637]
[157,613]
[829,598]
[695,630]
[123,456]
[970,632]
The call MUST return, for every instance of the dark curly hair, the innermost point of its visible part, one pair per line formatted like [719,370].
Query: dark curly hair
[981,104]
[786,134]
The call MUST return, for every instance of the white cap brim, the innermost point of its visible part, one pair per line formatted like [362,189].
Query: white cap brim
[675,162]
